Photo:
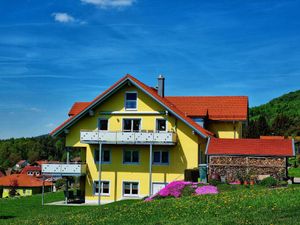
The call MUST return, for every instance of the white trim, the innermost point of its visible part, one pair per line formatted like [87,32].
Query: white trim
[98,123]
[95,202]
[131,195]
[133,113]
[126,118]
[101,183]
[155,126]
[131,92]
[130,163]
[206,148]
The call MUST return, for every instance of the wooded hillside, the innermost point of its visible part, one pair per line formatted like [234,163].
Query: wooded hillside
[280,116]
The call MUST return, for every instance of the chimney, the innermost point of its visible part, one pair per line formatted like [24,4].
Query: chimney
[161,86]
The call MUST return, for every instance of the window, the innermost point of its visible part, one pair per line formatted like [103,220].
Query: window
[104,187]
[161,125]
[131,156]
[103,124]
[131,125]
[130,100]
[105,158]
[130,188]
[160,157]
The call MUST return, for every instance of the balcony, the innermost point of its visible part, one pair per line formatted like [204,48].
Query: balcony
[64,169]
[120,137]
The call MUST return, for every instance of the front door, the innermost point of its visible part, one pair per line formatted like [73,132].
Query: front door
[156,187]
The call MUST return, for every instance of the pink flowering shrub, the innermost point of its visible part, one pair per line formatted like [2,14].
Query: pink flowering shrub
[208,189]
[176,189]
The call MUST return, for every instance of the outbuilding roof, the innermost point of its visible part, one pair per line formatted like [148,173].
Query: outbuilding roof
[255,147]
[22,180]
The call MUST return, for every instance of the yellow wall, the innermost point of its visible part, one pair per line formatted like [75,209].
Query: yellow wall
[225,129]
[182,156]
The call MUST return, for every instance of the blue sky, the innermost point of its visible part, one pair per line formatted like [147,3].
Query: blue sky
[53,53]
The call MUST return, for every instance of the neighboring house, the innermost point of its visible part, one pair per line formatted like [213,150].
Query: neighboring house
[20,165]
[144,138]
[32,171]
[23,184]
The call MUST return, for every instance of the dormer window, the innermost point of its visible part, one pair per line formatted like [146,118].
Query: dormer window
[131,101]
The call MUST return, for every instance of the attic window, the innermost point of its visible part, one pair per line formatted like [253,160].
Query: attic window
[131,101]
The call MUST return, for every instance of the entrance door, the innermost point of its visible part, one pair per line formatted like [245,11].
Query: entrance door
[156,187]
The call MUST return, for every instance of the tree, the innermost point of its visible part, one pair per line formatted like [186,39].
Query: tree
[263,126]
[281,124]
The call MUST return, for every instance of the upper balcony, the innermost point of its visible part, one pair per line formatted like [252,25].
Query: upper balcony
[64,169]
[121,137]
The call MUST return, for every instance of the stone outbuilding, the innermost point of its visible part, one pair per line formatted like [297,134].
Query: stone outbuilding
[233,159]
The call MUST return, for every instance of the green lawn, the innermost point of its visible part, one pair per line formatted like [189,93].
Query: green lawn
[231,206]
[294,172]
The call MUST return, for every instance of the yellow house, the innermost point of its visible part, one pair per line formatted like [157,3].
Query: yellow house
[134,139]
[22,185]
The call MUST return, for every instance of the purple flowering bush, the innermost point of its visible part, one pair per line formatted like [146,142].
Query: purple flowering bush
[177,189]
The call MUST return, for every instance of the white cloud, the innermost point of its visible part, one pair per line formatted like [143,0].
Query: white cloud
[49,125]
[34,109]
[63,17]
[110,3]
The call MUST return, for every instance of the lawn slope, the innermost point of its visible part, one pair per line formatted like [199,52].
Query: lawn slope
[242,206]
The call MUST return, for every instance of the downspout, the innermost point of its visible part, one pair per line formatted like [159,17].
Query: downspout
[99,171]
[150,171]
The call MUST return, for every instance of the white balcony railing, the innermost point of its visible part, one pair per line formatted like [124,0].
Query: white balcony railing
[64,169]
[120,137]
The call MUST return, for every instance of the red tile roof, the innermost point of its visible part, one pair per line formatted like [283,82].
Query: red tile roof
[256,147]
[152,92]
[31,168]
[77,108]
[215,107]
[22,180]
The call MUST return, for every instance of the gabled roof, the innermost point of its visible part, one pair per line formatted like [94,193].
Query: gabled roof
[22,180]
[254,147]
[77,107]
[146,89]
[215,107]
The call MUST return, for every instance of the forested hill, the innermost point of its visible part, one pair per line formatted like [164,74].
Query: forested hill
[32,149]
[280,116]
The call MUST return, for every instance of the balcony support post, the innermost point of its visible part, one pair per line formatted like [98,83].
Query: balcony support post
[99,171]
[150,170]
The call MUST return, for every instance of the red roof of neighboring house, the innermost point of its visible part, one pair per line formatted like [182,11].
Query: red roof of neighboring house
[215,107]
[22,180]
[77,108]
[257,147]
[152,92]
[31,168]
[272,137]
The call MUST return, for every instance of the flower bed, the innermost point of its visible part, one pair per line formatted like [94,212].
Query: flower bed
[177,189]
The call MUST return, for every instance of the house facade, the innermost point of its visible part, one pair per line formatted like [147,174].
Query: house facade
[134,139]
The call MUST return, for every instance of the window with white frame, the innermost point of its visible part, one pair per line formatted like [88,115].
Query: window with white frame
[104,187]
[160,157]
[161,125]
[130,188]
[130,100]
[131,125]
[105,158]
[131,156]
[102,124]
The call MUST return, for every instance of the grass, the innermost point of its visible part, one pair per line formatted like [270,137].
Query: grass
[234,205]
[294,172]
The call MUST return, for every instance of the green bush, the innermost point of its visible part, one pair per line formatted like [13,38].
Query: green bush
[269,182]
[187,191]
[60,183]
[214,182]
